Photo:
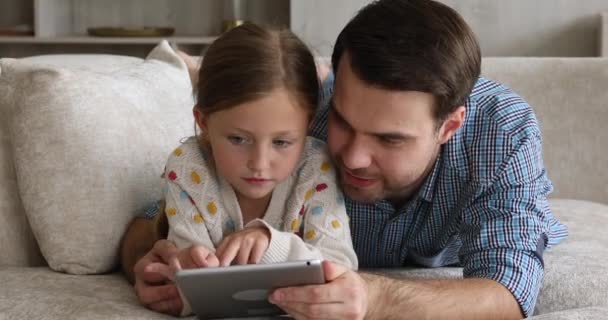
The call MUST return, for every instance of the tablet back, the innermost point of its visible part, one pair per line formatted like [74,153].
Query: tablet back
[242,291]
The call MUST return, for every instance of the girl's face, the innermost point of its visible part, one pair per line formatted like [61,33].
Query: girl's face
[257,144]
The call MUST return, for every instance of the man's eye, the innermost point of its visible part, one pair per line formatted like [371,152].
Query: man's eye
[337,119]
[391,141]
[282,143]
[236,140]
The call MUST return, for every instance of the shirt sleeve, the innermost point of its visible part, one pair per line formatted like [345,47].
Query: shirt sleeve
[319,231]
[504,232]
[186,223]
[325,237]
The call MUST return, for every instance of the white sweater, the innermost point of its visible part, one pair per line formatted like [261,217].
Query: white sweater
[306,216]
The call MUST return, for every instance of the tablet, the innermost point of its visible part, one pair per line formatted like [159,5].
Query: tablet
[242,291]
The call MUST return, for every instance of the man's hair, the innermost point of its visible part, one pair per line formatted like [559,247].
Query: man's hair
[412,45]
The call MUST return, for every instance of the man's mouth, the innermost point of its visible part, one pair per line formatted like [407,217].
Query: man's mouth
[356,181]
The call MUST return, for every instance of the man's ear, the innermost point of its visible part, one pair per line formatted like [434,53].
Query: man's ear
[451,124]
[199,117]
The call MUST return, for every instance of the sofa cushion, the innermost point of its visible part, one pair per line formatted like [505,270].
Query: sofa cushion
[589,313]
[575,270]
[88,148]
[39,293]
[17,243]
[569,98]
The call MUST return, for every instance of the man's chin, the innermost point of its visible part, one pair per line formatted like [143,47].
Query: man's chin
[359,195]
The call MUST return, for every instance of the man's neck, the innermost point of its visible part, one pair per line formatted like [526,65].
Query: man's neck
[408,193]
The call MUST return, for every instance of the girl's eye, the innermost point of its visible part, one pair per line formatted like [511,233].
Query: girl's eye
[282,143]
[236,140]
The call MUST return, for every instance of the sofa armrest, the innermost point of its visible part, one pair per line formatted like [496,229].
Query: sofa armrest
[603,35]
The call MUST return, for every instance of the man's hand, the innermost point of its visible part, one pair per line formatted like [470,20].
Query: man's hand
[155,271]
[244,247]
[344,296]
[152,279]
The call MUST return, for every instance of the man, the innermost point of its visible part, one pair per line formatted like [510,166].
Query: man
[440,167]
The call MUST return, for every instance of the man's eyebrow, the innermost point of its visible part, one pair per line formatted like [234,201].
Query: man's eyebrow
[393,135]
[390,135]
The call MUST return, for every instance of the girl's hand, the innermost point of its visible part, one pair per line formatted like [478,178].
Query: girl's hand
[244,247]
[196,256]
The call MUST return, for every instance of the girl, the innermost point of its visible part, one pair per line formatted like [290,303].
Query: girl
[252,187]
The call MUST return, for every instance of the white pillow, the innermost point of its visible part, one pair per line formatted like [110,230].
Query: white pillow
[89,146]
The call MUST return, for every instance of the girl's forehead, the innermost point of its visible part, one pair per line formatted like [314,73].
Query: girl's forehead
[276,111]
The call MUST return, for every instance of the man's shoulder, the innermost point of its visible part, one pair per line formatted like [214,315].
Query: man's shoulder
[498,121]
[500,110]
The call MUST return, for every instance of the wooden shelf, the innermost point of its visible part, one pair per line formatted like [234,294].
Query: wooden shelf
[79,39]
[60,26]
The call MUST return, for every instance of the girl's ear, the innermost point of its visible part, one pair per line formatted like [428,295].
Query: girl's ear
[200,119]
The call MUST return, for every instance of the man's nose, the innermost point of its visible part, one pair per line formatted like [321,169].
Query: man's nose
[355,154]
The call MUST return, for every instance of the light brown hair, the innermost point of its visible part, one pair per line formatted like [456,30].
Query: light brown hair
[249,62]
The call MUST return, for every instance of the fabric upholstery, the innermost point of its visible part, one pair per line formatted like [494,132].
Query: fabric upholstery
[575,270]
[88,148]
[589,313]
[17,243]
[569,98]
[39,293]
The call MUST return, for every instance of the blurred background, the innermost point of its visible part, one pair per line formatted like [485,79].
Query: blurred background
[564,28]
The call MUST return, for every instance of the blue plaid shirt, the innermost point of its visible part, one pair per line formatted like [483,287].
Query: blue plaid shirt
[483,207]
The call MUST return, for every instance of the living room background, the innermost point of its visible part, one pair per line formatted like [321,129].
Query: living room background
[505,28]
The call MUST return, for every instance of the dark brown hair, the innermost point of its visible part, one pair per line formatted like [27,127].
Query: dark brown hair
[249,61]
[413,45]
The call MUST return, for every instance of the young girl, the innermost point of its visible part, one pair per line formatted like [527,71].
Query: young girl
[252,187]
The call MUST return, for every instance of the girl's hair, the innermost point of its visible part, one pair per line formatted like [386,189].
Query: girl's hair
[248,62]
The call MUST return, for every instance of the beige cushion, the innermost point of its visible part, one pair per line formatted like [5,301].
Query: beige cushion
[39,293]
[569,98]
[17,243]
[575,270]
[88,148]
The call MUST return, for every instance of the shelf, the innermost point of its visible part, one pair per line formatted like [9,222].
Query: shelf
[60,26]
[105,40]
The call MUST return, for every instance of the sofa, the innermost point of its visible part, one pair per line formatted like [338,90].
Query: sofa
[83,139]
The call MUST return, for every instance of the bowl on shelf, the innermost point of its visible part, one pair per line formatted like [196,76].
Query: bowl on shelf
[19,30]
[131,31]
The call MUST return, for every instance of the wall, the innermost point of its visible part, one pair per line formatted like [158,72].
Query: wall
[15,12]
[504,28]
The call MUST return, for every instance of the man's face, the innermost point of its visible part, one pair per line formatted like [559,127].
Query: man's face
[384,143]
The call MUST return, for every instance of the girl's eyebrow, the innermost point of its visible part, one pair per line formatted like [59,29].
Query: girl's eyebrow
[278,133]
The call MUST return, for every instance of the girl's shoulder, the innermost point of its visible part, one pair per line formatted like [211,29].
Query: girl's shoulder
[314,149]
[188,154]
[315,156]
